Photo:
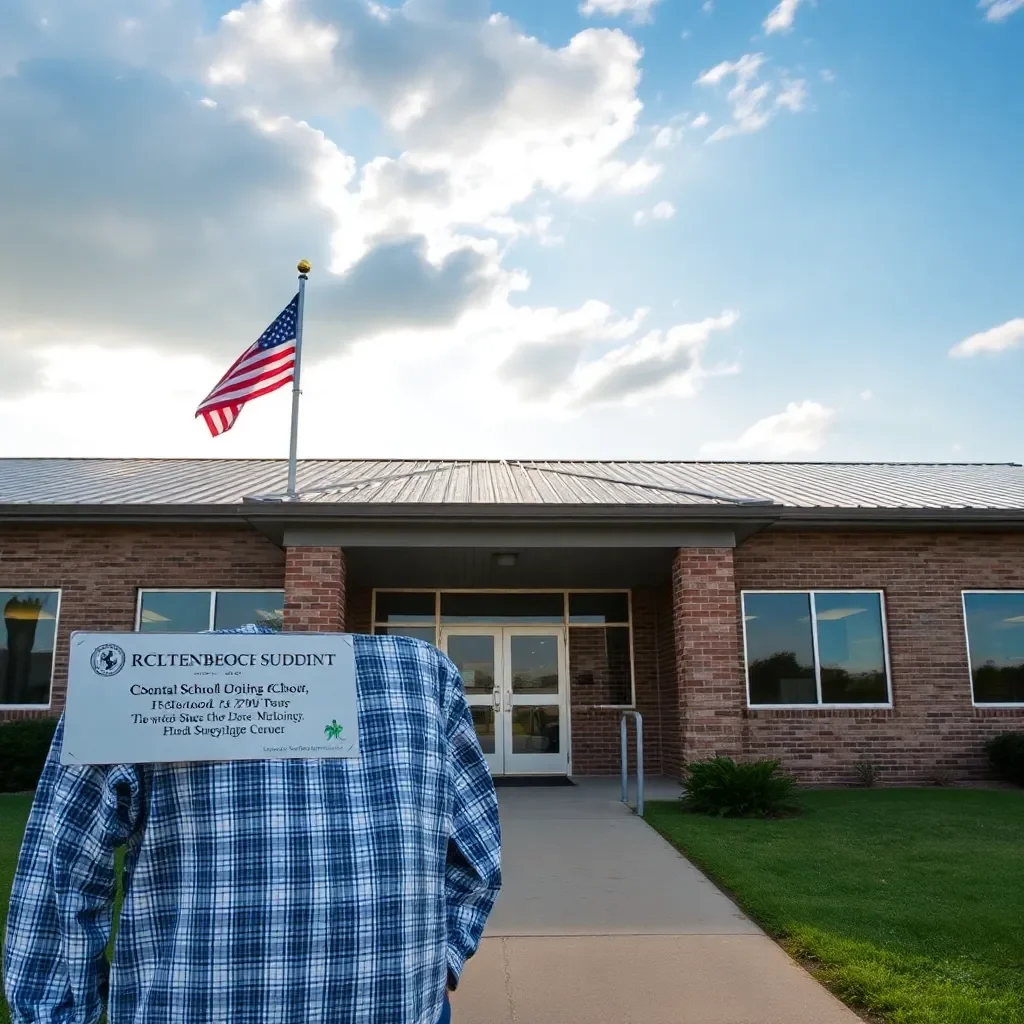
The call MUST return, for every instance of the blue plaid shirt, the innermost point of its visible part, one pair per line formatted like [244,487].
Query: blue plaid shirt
[267,892]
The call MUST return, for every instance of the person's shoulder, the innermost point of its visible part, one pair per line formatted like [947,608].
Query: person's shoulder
[378,643]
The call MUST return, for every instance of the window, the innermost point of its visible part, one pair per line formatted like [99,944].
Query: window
[507,606]
[26,646]
[995,645]
[598,609]
[409,613]
[815,648]
[192,611]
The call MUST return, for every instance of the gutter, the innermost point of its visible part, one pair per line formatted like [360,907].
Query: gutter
[264,516]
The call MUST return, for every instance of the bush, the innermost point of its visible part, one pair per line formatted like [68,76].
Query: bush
[752,789]
[23,750]
[1006,755]
[867,773]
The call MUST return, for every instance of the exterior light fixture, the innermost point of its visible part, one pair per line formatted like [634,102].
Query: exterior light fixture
[505,559]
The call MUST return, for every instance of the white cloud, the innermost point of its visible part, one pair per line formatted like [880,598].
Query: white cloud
[1000,10]
[866,395]
[663,210]
[700,121]
[801,430]
[197,180]
[668,136]
[781,17]
[995,339]
[793,95]
[486,118]
[708,6]
[827,75]
[568,363]
[639,10]
[753,103]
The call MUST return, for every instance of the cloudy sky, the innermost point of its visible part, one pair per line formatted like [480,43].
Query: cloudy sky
[563,228]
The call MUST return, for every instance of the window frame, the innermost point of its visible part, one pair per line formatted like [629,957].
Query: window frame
[1011,705]
[565,625]
[821,705]
[212,591]
[53,658]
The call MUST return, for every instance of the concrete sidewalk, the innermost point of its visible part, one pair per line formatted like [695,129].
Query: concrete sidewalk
[602,922]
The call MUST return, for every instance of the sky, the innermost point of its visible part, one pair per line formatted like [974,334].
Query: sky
[620,229]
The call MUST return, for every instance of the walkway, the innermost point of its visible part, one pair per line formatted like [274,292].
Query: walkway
[602,922]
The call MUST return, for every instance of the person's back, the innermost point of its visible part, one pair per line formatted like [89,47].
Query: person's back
[269,892]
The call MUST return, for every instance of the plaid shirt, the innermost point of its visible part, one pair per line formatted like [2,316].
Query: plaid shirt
[267,892]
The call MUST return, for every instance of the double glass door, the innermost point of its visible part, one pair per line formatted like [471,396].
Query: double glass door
[514,679]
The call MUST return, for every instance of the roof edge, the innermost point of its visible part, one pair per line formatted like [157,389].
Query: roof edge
[411,514]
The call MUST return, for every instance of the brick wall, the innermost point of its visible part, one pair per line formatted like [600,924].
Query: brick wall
[933,724]
[708,652]
[314,590]
[100,569]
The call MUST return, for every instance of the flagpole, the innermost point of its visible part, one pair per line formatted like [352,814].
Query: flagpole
[303,269]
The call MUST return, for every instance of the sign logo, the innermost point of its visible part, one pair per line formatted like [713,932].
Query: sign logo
[107,660]
[333,731]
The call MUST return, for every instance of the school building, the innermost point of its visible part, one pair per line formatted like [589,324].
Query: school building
[822,614]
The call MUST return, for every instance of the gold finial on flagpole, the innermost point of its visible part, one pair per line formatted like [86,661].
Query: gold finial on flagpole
[304,266]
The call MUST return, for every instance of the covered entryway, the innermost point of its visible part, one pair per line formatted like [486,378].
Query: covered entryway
[515,679]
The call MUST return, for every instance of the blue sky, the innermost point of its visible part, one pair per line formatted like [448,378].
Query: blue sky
[614,228]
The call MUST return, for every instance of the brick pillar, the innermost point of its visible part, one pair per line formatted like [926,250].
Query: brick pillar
[314,590]
[709,666]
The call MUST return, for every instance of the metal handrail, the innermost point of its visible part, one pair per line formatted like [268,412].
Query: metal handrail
[639,720]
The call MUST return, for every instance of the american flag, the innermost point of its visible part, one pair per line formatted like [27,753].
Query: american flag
[263,367]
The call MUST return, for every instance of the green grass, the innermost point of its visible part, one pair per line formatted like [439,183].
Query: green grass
[908,904]
[13,815]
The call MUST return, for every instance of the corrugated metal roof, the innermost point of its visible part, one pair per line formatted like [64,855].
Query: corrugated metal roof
[132,482]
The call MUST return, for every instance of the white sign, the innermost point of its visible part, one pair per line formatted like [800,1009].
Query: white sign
[148,697]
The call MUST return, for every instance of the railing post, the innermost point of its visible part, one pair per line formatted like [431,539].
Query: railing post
[624,757]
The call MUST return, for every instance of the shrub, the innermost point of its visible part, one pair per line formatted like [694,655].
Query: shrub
[1006,755]
[751,789]
[23,749]
[867,773]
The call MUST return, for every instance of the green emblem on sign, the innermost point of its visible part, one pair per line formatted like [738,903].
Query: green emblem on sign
[333,731]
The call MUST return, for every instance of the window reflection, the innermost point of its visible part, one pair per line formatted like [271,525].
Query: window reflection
[851,648]
[995,638]
[175,612]
[780,650]
[26,646]
[535,729]
[240,608]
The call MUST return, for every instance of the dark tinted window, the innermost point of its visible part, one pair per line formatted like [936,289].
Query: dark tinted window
[780,651]
[404,607]
[851,648]
[995,638]
[27,637]
[502,608]
[599,608]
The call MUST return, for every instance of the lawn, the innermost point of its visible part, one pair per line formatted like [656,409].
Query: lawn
[908,904]
[13,815]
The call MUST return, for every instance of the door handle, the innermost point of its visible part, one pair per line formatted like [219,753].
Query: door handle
[496,698]
[508,700]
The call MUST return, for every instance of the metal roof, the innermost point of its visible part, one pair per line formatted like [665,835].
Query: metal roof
[39,483]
